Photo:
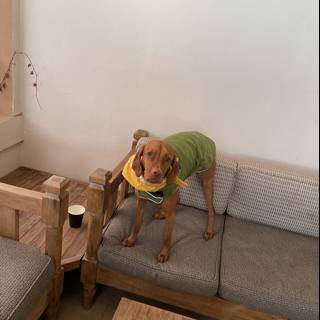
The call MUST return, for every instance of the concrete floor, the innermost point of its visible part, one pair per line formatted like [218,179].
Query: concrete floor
[105,304]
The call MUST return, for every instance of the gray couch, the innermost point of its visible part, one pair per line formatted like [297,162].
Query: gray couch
[265,253]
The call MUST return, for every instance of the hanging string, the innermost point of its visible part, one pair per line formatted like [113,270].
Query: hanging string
[32,72]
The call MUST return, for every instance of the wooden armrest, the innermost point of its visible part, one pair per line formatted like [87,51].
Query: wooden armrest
[12,200]
[117,177]
[20,199]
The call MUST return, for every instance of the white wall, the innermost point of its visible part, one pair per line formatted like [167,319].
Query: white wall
[9,159]
[243,71]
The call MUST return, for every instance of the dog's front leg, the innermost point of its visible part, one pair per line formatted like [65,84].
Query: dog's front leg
[169,223]
[168,209]
[129,242]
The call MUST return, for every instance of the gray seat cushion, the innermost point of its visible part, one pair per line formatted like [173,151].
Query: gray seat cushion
[270,270]
[24,275]
[193,266]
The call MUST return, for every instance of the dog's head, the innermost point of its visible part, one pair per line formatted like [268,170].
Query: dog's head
[155,161]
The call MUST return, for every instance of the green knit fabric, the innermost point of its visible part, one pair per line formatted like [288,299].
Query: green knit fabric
[195,152]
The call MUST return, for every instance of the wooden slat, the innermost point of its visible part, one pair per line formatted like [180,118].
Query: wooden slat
[210,306]
[27,221]
[74,238]
[36,235]
[78,246]
[123,191]
[32,232]
[16,177]
[72,263]
[9,223]
[20,199]
[117,177]
[112,201]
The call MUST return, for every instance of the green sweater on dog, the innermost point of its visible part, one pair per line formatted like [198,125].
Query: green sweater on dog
[195,151]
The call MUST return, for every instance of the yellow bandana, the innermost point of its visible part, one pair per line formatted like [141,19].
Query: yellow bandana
[140,184]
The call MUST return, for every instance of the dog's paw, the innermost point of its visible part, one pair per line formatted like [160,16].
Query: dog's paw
[128,242]
[163,257]
[159,216]
[208,235]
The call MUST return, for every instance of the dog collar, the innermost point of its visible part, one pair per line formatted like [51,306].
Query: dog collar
[142,185]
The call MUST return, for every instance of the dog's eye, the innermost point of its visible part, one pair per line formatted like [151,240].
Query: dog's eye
[149,153]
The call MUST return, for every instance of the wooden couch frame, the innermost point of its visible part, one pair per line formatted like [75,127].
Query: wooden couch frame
[51,206]
[106,190]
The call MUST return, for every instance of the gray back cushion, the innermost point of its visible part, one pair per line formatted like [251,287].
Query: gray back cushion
[223,185]
[276,195]
[224,181]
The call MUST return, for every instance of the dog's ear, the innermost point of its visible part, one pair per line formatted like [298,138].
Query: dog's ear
[174,170]
[137,162]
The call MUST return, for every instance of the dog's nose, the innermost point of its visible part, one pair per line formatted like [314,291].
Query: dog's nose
[156,173]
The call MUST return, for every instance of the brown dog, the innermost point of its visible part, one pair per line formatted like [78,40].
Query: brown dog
[156,161]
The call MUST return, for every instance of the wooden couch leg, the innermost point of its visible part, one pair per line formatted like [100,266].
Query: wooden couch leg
[51,311]
[54,296]
[89,292]
[88,279]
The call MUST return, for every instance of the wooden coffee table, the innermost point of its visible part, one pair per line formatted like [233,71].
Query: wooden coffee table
[132,310]
[31,228]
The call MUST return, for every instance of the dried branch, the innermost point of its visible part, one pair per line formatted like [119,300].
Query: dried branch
[33,72]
